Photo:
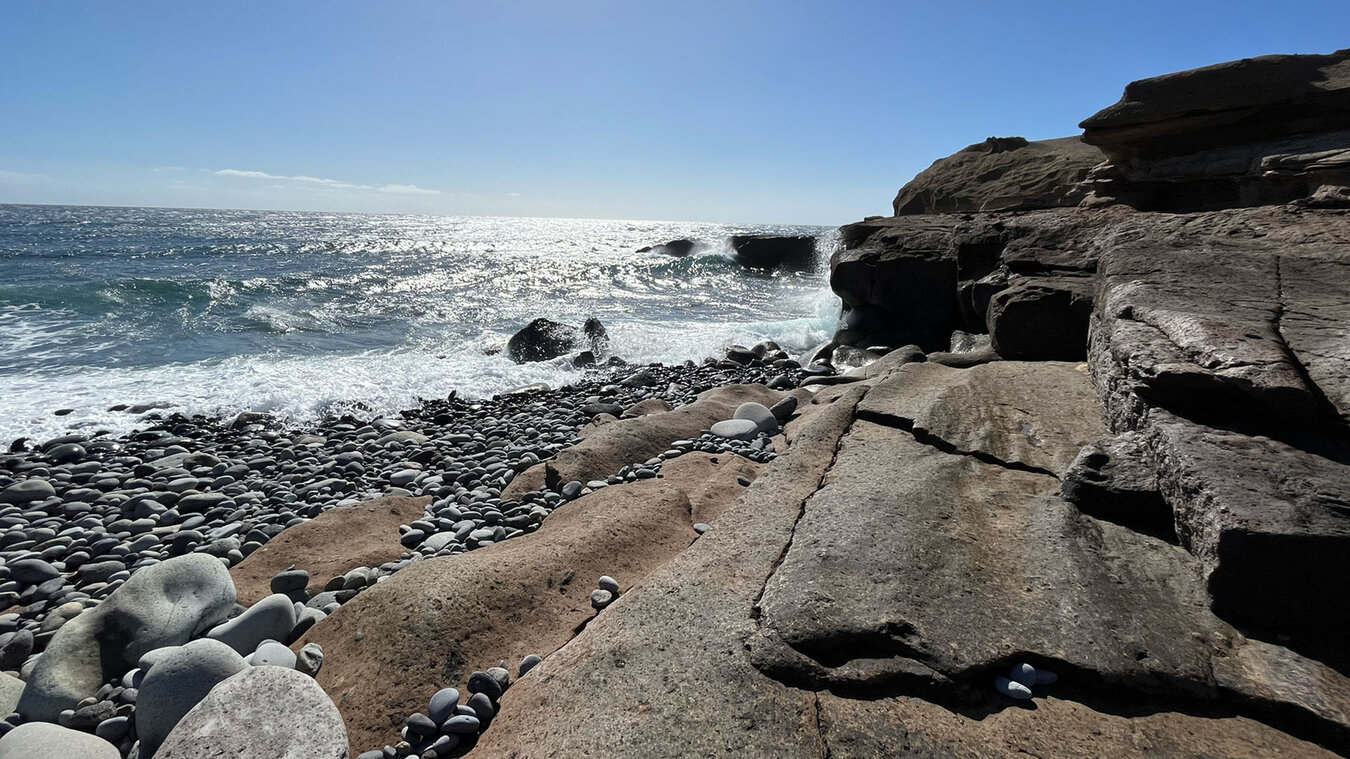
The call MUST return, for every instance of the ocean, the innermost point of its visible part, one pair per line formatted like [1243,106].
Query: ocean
[309,314]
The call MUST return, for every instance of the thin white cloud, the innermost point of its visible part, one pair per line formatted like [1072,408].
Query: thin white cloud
[513,194]
[248,174]
[400,189]
[407,189]
[19,176]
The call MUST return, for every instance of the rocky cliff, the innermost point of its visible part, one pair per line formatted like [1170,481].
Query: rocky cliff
[1142,485]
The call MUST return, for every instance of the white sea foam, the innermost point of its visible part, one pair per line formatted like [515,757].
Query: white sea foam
[303,389]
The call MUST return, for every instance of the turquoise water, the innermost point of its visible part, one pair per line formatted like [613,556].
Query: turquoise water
[303,313]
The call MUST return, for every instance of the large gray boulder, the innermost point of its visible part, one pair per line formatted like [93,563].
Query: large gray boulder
[162,605]
[43,740]
[260,713]
[178,682]
[11,689]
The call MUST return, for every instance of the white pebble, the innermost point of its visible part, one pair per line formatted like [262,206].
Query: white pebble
[1012,689]
[1023,673]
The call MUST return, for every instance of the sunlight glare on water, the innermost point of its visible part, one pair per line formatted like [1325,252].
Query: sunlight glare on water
[218,311]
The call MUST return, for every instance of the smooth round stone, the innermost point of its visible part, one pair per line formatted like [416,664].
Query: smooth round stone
[163,604]
[784,409]
[482,682]
[11,688]
[438,541]
[177,683]
[481,706]
[403,477]
[1023,673]
[443,704]
[289,581]
[759,414]
[272,653]
[63,454]
[702,527]
[600,599]
[260,712]
[528,663]
[114,729]
[501,675]
[271,618]
[461,725]
[422,725]
[40,740]
[1012,689]
[609,583]
[28,491]
[33,571]
[736,429]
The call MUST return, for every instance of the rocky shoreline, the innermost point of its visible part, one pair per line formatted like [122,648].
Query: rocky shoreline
[1071,479]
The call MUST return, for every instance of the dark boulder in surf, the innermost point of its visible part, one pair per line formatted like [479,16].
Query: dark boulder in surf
[544,339]
[676,248]
[541,340]
[776,252]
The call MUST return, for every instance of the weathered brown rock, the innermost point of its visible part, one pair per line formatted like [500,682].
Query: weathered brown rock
[1056,728]
[897,280]
[888,568]
[1032,416]
[1250,132]
[663,672]
[711,483]
[360,535]
[1002,174]
[606,449]
[643,408]
[1269,522]
[1229,103]
[1041,318]
[1194,314]
[389,649]
[1116,479]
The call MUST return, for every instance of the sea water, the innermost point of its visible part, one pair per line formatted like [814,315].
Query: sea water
[307,314]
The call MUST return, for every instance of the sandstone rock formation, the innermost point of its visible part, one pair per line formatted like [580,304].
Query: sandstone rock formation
[1255,131]
[909,547]
[360,535]
[1002,174]
[1149,495]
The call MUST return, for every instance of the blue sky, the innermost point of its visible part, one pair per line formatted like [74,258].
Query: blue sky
[791,112]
